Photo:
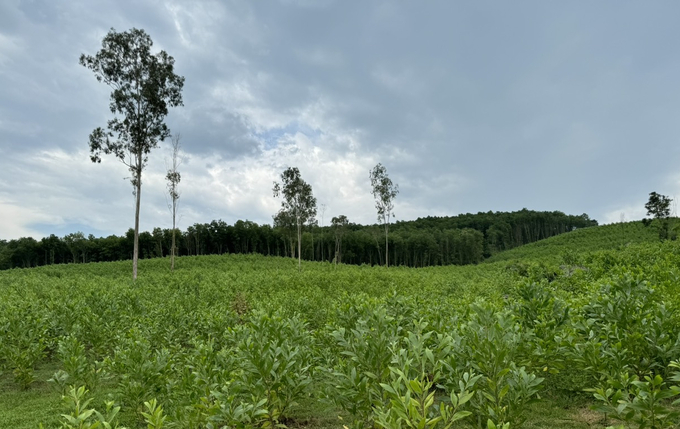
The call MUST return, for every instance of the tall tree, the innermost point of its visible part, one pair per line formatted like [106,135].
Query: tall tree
[298,201]
[659,206]
[384,193]
[173,177]
[339,224]
[144,86]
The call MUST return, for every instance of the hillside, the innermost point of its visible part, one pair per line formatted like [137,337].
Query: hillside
[591,239]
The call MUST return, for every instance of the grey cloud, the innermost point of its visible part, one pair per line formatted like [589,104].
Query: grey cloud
[472,107]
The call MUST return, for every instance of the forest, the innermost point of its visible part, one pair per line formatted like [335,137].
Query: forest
[451,240]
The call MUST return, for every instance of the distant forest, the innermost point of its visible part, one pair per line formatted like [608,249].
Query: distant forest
[464,239]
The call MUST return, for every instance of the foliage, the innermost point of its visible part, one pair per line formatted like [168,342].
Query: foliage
[144,86]
[363,344]
[276,363]
[644,403]
[82,417]
[298,202]
[459,240]
[415,375]
[246,341]
[173,178]
[492,343]
[384,192]
[78,368]
[23,342]
[581,242]
[659,206]
[339,225]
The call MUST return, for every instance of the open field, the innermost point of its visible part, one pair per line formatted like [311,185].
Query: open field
[248,341]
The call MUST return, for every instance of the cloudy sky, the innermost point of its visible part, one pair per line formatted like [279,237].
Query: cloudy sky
[471,106]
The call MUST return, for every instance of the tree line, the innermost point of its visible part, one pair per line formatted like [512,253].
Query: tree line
[464,239]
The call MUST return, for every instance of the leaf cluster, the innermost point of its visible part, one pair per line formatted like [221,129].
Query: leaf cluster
[144,86]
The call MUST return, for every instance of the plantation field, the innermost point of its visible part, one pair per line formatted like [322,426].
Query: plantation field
[606,237]
[248,341]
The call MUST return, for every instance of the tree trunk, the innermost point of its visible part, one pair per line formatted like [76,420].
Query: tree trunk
[337,251]
[299,233]
[387,253]
[377,245]
[172,254]
[135,253]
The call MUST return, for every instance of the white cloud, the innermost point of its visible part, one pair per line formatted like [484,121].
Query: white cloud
[636,210]
[626,213]
[61,188]
[242,188]
[15,221]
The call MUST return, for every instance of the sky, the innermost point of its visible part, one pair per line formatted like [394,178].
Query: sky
[471,106]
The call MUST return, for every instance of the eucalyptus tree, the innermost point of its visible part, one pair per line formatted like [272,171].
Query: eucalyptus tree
[384,192]
[339,224]
[174,177]
[143,86]
[298,202]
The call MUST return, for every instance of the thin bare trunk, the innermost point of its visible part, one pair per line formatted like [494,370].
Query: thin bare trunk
[299,246]
[375,234]
[387,253]
[173,178]
[138,192]
[172,253]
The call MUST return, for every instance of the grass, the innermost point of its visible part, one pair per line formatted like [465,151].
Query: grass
[24,409]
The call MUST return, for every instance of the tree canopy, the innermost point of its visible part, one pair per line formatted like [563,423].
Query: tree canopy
[659,206]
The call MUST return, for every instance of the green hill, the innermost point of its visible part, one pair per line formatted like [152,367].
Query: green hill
[591,239]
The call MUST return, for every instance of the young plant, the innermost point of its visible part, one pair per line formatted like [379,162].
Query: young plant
[493,346]
[415,374]
[276,363]
[228,410]
[82,417]
[77,369]
[24,344]
[644,403]
[365,353]
[153,417]
[140,370]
